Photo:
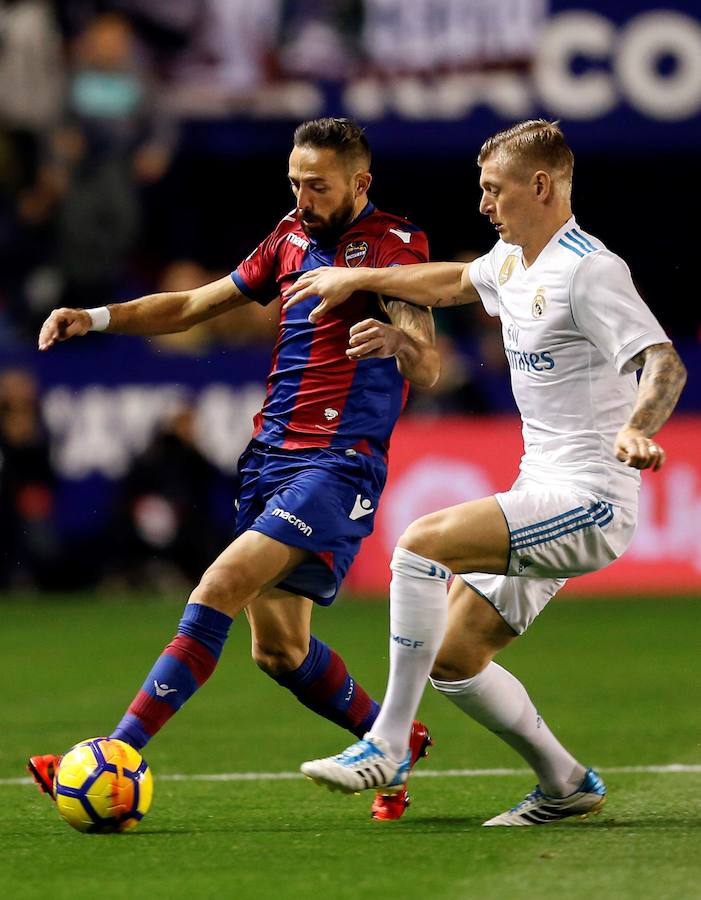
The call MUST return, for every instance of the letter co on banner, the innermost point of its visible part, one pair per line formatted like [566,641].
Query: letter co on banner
[630,77]
[444,58]
[586,66]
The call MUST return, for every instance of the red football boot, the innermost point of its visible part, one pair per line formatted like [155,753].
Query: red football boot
[391,806]
[42,769]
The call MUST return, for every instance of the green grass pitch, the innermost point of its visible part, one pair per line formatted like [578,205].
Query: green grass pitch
[618,680]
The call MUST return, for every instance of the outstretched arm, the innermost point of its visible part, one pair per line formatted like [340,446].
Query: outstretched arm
[423,284]
[661,383]
[165,313]
[411,338]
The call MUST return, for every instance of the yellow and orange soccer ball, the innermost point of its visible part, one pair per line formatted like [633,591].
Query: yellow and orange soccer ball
[103,786]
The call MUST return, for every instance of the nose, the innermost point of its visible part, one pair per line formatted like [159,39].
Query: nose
[486,204]
[304,199]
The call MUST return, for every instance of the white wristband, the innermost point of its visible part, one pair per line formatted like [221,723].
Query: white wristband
[100,317]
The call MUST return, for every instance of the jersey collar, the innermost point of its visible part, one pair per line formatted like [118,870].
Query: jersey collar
[365,211]
[570,223]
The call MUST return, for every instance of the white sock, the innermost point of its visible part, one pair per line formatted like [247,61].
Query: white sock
[497,700]
[418,617]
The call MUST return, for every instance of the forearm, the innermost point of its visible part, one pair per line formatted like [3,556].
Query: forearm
[661,383]
[175,311]
[421,284]
[424,284]
[414,338]
[418,362]
[154,314]
[150,315]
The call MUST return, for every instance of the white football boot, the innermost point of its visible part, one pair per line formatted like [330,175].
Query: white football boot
[362,766]
[539,809]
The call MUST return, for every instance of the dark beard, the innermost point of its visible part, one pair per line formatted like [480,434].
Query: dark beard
[328,234]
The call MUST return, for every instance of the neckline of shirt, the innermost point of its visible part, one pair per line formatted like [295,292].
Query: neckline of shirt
[570,223]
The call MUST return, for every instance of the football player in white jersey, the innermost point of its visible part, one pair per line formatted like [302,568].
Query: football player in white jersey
[575,334]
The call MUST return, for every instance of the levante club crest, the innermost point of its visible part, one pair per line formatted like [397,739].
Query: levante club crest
[355,253]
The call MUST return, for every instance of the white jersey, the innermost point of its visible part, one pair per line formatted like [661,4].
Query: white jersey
[571,322]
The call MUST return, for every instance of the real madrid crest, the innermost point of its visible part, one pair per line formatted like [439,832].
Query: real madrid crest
[538,308]
[507,269]
[355,253]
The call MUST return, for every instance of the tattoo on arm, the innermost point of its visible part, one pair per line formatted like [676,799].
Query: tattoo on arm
[661,383]
[220,306]
[215,298]
[418,360]
[414,321]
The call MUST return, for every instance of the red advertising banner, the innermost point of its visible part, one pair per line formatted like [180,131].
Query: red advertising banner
[437,462]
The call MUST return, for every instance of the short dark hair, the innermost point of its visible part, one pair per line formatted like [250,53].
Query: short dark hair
[344,136]
[535,141]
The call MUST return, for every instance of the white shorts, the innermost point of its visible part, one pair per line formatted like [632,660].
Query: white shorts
[556,534]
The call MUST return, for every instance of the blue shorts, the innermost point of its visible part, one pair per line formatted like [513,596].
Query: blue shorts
[321,500]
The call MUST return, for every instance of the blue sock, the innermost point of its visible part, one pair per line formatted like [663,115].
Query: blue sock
[322,683]
[183,667]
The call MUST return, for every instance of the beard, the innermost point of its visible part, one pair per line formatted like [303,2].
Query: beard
[327,231]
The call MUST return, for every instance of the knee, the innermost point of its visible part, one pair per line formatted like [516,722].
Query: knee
[469,665]
[423,538]
[223,588]
[277,658]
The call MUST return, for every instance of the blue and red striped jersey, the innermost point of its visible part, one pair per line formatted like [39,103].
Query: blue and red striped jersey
[316,396]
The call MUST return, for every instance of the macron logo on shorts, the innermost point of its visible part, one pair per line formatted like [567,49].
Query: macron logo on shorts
[293,520]
[361,507]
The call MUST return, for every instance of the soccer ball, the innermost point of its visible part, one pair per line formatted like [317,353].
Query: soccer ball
[102,786]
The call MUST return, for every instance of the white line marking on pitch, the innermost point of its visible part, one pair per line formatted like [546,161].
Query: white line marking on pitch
[672,769]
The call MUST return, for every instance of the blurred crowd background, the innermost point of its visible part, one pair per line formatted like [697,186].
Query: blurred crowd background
[143,147]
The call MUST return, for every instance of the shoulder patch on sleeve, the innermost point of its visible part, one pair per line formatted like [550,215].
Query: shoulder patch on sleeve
[404,236]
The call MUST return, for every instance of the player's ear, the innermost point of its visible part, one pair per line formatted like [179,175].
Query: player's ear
[542,185]
[362,183]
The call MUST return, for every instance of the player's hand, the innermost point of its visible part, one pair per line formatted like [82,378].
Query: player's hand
[330,283]
[638,451]
[63,324]
[371,339]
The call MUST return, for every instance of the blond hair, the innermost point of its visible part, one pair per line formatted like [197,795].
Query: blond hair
[532,143]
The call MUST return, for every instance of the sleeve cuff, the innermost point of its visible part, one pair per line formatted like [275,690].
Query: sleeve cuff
[624,358]
[261,297]
[241,284]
